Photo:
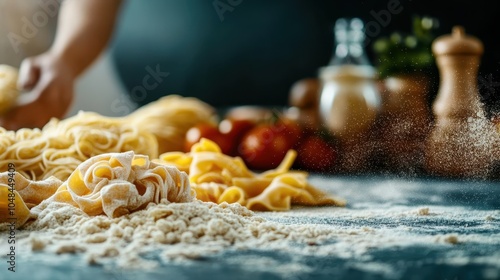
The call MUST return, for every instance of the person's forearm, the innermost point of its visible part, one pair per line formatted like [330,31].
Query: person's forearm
[84,29]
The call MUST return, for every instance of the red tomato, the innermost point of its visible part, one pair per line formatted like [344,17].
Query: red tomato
[316,154]
[234,130]
[265,146]
[291,129]
[209,131]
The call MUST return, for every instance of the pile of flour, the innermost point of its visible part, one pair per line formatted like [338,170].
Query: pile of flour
[173,230]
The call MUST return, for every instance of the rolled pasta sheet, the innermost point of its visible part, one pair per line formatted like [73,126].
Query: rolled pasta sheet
[206,163]
[290,188]
[210,162]
[209,192]
[318,197]
[252,186]
[119,183]
[233,195]
[178,159]
[32,192]
[12,207]
[218,178]
[215,177]
[278,195]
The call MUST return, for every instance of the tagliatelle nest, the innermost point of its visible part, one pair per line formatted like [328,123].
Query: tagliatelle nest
[113,184]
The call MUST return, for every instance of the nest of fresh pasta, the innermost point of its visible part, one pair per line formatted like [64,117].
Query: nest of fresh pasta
[115,166]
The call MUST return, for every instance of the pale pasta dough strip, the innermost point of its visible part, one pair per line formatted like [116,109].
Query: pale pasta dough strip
[113,184]
[102,165]
[32,192]
[219,178]
[119,183]
[61,145]
[19,213]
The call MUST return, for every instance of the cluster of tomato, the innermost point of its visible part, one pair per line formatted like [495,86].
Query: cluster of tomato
[263,144]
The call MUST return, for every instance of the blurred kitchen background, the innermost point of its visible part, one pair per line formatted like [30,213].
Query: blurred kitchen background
[256,48]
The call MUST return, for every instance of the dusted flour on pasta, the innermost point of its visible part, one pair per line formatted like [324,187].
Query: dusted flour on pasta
[119,183]
[113,184]
[32,192]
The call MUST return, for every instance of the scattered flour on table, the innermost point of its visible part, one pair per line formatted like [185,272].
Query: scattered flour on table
[174,230]
[194,230]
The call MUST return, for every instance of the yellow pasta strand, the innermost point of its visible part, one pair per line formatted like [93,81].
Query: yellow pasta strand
[12,207]
[58,148]
[209,192]
[32,192]
[61,146]
[233,195]
[216,177]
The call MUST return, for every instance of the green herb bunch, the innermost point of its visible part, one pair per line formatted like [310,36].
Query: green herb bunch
[401,54]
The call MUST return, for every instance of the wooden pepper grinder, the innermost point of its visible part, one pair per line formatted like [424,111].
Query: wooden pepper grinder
[458,144]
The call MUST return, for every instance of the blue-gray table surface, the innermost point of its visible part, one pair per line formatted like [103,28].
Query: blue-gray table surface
[410,218]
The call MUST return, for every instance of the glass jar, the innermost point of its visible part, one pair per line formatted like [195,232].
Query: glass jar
[349,99]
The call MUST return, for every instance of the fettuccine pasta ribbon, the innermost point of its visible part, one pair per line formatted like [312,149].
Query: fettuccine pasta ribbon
[220,178]
[119,183]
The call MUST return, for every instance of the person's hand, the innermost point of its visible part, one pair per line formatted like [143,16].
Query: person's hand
[49,82]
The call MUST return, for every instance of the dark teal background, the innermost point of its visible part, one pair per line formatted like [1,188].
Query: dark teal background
[261,47]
